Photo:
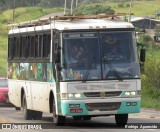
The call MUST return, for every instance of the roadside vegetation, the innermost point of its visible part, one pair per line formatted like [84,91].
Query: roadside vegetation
[151,74]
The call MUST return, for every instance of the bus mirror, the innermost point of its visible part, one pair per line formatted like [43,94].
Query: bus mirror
[142,55]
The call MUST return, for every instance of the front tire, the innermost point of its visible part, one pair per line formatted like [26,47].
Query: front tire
[26,113]
[86,117]
[121,119]
[57,119]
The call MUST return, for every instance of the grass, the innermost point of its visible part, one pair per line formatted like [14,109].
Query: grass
[29,13]
[149,102]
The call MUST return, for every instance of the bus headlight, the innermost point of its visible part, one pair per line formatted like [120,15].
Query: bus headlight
[127,93]
[133,93]
[77,95]
[72,96]
[130,93]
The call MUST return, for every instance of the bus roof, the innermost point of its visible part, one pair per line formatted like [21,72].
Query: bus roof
[69,23]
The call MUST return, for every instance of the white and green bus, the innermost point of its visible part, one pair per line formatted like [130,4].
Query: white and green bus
[45,76]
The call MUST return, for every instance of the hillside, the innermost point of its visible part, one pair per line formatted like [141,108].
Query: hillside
[139,8]
[21,14]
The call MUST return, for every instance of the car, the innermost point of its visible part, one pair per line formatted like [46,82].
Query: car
[4,101]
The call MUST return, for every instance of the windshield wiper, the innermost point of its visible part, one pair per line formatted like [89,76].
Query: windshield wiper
[113,69]
[88,71]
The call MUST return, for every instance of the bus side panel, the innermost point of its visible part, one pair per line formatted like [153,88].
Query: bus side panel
[13,69]
[36,79]
[11,92]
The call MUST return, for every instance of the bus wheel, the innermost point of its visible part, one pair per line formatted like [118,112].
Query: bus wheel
[57,119]
[17,108]
[121,119]
[27,113]
[86,117]
[37,115]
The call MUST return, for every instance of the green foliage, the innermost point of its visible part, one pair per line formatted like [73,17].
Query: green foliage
[2,20]
[151,78]
[120,5]
[144,39]
[137,29]
[157,30]
[93,9]
[127,5]
[149,102]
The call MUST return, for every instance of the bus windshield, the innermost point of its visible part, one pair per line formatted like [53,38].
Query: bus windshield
[99,56]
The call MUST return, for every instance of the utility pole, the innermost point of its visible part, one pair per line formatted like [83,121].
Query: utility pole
[13,10]
[71,7]
[65,5]
[76,3]
[130,8]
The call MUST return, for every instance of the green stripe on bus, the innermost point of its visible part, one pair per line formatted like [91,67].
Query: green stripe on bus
[66,109]
[125,108]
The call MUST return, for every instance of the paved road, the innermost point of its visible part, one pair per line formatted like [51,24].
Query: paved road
[9,115]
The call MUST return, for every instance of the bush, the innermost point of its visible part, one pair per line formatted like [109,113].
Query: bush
[151,76]
[93,9]
[143,38]
[2,20]
[157,30]
[128,5]
[120,5]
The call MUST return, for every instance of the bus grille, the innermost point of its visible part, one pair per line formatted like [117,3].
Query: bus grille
[105,94]
[103,106]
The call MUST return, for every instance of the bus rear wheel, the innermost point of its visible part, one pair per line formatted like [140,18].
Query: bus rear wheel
[37,115]
[27,113]
[17,108]
[121,119]
[58,119]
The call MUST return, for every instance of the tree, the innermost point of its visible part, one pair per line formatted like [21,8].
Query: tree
[93,9]
[157,30]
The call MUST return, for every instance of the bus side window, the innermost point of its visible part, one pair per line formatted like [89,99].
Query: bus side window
[32,46]
[11,48]
[46,45]
[24,46]
[17,47]
[39,44]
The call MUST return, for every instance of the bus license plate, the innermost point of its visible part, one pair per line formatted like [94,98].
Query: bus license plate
[76,110]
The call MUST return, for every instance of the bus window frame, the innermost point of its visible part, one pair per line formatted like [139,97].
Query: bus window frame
[28,58]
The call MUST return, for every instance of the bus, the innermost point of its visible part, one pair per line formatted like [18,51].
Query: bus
[63,65]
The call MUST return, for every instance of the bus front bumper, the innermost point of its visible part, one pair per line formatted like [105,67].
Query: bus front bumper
[82,107]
